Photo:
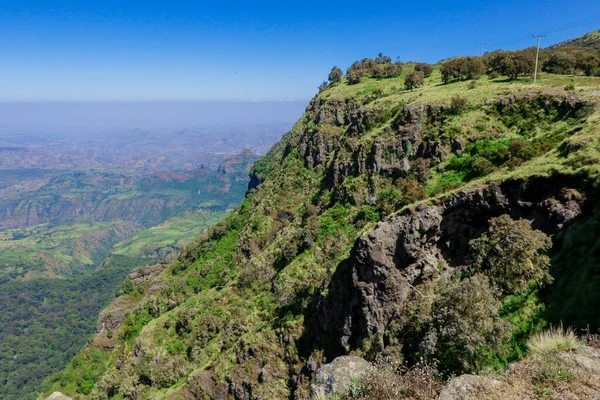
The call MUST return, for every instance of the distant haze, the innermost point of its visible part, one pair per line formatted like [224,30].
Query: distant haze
[100,117]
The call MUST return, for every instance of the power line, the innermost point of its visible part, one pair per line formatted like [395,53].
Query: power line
[590,19]
[575,24]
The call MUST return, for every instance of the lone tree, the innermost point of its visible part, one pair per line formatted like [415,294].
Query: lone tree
[414,80]
[512,253]
[335,75]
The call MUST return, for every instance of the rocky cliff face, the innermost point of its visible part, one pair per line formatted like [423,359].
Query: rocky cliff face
[426,243]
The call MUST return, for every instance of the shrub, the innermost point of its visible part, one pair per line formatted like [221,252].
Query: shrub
[473,67]
[323,86]
[387,381]
[335,75]
[458,104]
[588,63]
[570,86]
[482,166]
[512,253]
[464,325]
[414,80]
[559,63]
[354,76]
[553,340]
[472,85]
[452,70]
[381,67]
[426,69]
[513,64]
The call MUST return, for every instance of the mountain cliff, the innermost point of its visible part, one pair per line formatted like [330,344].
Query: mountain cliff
[383,210]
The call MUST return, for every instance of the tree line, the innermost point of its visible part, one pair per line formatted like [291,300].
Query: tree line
[509,64]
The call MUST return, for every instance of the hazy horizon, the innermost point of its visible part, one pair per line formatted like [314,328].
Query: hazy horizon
[102,116]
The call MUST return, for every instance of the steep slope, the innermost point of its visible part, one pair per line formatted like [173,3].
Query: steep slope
[55,278]
[352,219]
[590,41]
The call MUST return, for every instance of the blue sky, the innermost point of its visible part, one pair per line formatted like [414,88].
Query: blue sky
[226,50]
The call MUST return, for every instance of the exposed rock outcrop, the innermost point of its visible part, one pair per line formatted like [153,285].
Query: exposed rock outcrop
[336,378]
[58,396]
[427,242]
[474,387]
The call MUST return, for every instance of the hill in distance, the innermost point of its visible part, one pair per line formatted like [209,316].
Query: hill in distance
[589,41]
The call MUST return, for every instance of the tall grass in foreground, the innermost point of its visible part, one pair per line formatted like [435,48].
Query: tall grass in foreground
[553,340]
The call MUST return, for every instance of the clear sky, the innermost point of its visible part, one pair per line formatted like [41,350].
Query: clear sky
[224,50]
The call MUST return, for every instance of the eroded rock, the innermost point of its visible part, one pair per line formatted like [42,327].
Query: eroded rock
[474,387]
[335,378]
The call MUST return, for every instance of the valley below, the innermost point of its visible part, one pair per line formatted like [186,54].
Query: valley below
[78,215]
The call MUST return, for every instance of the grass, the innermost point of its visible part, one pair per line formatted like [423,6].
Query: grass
[176,232]
[553,340]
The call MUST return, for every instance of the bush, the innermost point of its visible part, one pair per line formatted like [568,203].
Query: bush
[473,67]
[323,86]
[458,104]
[387,381]
[511,253]
[335,75]
[464,325]
[426,69]
[588,63]
[553,340]
[512,64]
[381,67]
[452,70]
[414,80]
[559,63]
[482,166]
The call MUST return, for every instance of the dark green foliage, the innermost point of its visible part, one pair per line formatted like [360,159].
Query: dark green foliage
[512,64]
[559,63]
[452,70]
[335,76]
[588,63]
[574,297]
[462,68]
[458,104]
[465,325]
[45,322]
[426,69]
[323,86]
[381,67]
[481,166]
[413,80]
[511,253]
[473,67]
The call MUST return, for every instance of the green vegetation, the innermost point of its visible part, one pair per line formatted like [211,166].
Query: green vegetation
[248,305]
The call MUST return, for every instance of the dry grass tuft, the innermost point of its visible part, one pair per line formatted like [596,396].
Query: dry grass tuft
[553,340]
[389,381]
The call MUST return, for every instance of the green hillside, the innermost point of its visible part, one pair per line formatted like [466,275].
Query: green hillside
[78,236]
[589,41]
[414,213]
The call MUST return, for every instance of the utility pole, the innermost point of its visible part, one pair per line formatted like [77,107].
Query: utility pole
[537,55]
[481,49]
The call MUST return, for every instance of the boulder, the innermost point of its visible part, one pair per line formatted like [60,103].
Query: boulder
[335,378]
[58,396]
[474,387]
